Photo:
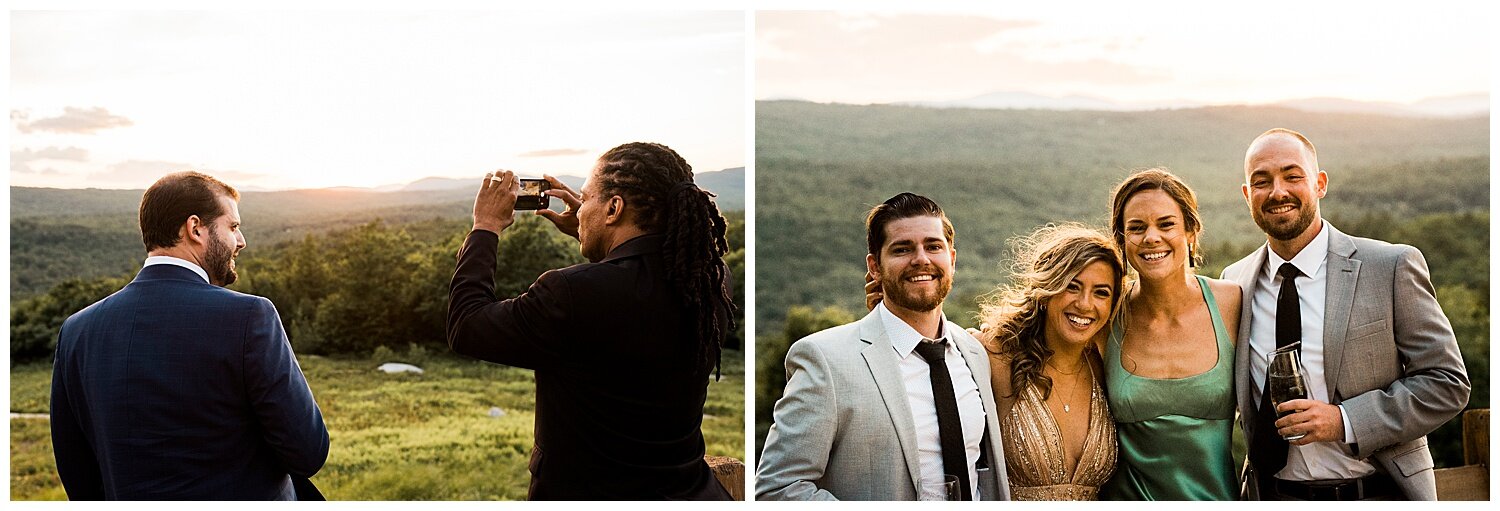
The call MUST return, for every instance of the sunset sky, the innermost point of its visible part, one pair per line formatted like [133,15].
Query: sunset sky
[295,99]
[1125,52]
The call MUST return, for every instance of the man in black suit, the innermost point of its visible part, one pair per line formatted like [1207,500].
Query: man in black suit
[176,388]
[623,345]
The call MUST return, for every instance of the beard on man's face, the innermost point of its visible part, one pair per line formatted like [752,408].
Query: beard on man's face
[218,262]
[1286,229]
[894,286]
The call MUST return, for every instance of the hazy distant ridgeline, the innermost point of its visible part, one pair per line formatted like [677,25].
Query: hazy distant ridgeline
[29,202]
[999,173]
[63,233]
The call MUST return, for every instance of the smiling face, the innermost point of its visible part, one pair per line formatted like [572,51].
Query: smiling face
[1076,314]
[1282,187]
[915,266]
[1156,237]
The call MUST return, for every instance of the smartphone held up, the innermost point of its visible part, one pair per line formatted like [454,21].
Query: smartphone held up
[533,194]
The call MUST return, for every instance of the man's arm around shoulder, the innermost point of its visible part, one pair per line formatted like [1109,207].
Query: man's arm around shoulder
[292,423]
[804,428]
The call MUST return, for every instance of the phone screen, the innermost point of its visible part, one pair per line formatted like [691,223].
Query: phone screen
[531,196]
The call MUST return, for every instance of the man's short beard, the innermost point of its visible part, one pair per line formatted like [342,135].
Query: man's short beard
[218,261]
[918,304]
[1287,231]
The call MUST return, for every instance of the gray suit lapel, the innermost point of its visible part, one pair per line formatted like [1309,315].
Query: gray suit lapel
[1342,273]
[1247,280]
[886,370]
[978,361]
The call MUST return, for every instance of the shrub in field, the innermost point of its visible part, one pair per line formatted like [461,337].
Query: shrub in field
[34,322]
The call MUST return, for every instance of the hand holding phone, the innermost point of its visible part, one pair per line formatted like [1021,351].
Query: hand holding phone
[495,204]
[567,221]
[533,194]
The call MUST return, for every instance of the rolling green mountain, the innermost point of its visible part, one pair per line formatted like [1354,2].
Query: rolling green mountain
[999,173]
[66,233]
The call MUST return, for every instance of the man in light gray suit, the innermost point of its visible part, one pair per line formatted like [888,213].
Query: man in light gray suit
[895,405]
[1383,365]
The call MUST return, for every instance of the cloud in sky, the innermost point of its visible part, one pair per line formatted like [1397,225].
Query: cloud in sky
[49,153]
[73,120]
[1126,52]
[27,169]
[548,153]
[821,55]
[340,98]
[20,160]
[141,173]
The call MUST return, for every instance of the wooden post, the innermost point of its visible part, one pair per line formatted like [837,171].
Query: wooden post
[730,472]
[1477,437]
[1471,481]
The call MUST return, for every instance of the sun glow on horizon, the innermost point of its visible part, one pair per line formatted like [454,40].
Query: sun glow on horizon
[278,100]
[1159,53]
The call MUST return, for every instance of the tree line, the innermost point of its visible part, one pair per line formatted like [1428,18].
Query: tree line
[353,290]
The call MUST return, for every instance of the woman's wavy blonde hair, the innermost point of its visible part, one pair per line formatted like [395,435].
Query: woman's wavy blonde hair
[1044,262]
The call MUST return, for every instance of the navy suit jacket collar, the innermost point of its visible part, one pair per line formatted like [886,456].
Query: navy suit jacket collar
[168,272]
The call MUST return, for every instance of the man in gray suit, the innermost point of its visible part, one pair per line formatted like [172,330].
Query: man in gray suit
[892,406]
[1383,365]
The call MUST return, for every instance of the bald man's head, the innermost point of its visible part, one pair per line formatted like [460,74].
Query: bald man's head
[1280,136]
[1283,186]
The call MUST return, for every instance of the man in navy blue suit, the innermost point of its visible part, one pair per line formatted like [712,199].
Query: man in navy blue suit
[176,388]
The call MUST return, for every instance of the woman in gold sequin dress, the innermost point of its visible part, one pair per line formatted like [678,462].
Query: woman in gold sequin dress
[1042,334]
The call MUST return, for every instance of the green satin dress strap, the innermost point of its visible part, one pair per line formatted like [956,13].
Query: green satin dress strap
[1174,432]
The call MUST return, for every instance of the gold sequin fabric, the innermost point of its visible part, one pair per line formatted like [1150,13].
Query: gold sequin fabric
[1034,452]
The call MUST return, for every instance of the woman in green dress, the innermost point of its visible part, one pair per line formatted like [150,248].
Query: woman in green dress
[1168,361]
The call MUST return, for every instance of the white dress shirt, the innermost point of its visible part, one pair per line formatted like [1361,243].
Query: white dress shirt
[1318,460]
[915,373]
[178,262]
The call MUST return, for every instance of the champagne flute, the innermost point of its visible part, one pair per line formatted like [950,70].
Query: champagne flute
[1286,379]
[946,490]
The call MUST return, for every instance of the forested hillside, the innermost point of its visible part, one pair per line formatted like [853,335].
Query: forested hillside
[349,271]
[58,234]
[999,173]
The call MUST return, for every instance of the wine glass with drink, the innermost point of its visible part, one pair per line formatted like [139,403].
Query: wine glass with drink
[946,490]
[1286,379]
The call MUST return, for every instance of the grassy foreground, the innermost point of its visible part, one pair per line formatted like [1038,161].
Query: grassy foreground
[395,436]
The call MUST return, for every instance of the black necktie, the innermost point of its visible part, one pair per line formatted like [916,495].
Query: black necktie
[950,428]
[1269,453]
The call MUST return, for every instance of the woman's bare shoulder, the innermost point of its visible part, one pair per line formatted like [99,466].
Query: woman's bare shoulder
[1225,291]
[1227,294]
[1000,373]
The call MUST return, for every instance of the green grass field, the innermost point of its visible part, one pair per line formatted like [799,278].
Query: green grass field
[395,437]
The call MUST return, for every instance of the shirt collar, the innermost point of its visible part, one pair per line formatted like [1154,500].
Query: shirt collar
[643,244]
[178,262]
[902,336]
[1308,261]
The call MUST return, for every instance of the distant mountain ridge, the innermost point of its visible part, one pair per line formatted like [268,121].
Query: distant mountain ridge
[1030,101]
[728,184]
[28,202]
[1460,105]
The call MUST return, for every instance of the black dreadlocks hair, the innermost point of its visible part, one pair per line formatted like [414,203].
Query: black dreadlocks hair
[658,183]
